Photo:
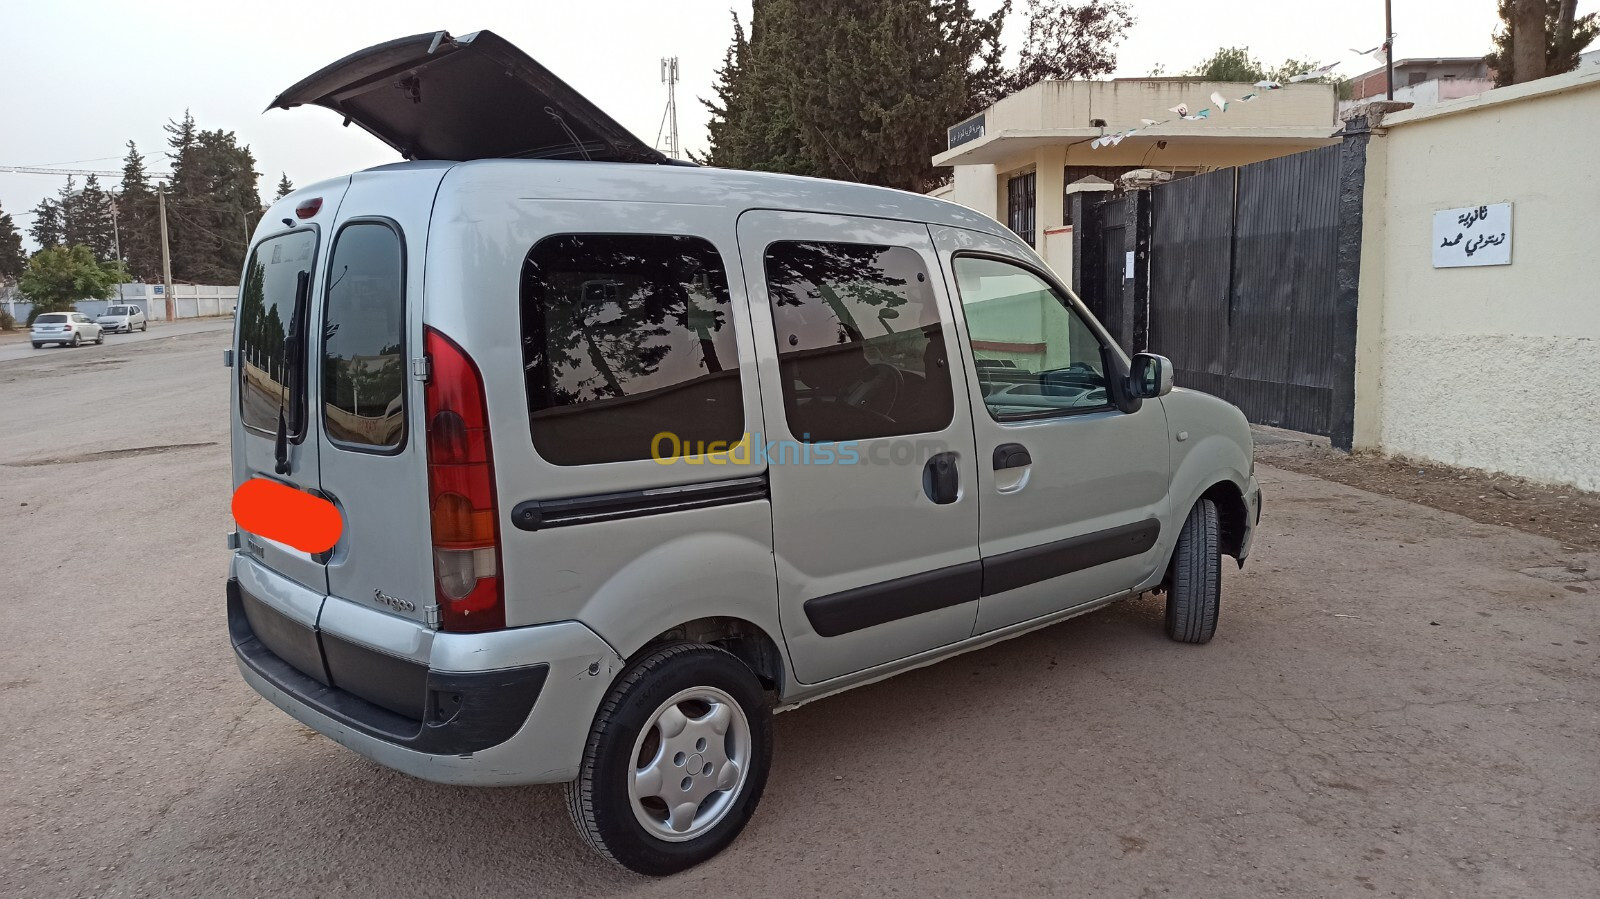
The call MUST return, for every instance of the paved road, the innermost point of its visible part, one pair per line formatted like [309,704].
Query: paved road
[1391,707]
[13,349]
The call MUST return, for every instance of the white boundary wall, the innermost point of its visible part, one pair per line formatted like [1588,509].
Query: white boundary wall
[191,300]
[1493,367]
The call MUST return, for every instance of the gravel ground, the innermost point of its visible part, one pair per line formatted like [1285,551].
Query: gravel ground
[1399,701]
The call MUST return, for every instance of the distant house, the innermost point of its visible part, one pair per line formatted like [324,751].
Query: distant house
[1423,82]
[1014,160]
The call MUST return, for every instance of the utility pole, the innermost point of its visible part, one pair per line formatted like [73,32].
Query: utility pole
[669,77]
[1388,43]
[166,254]
[116,233]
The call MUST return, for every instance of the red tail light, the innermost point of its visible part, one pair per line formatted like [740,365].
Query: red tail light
[308,208]
[67,326]
[461,498]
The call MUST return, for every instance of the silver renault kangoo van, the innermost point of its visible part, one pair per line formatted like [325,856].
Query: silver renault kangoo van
[629,454]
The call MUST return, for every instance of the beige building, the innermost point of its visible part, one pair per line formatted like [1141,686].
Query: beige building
[1014,160]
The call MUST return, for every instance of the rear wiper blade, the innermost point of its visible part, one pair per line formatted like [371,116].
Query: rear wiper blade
[280,445]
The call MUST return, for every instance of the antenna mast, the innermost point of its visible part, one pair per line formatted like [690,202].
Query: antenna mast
[669,77]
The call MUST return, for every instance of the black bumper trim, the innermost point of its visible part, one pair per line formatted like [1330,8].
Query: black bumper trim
[461,713]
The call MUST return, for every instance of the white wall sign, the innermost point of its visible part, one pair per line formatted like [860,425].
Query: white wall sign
[1472,235]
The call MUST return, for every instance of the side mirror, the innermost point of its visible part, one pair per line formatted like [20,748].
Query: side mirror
[1150,376]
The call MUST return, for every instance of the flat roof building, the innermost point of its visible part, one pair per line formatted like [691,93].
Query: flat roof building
[1014,160]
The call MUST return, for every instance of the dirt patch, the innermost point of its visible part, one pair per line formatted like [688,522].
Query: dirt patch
[104,455]
[1567,514]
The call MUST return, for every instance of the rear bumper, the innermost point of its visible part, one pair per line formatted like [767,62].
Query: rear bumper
[523,719]
[456,713]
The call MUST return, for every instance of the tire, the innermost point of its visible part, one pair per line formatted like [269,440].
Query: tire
[1194,578]
[77,341]
[634,833]
[144,326]
[100,338]
[38,346]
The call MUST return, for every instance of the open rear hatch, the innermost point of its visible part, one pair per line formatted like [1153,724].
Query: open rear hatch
[433,96]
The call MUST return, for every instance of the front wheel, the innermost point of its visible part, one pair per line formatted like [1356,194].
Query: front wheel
[676,760]
[100,338]
[1194,579]
[144,326]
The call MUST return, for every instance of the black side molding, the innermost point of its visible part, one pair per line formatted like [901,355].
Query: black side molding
[863,607]
[1011,570]
[537,514]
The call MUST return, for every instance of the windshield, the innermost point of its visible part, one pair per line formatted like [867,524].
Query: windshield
[51,318]
[116,310]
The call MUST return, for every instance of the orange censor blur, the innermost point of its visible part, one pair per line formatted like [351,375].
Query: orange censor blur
[280,512]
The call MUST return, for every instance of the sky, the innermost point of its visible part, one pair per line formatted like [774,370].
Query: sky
[90,76]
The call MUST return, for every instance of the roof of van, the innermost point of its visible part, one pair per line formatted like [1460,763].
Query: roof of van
[706,186]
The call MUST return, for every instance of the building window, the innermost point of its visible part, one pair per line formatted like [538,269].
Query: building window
[625,337]
[1020,206]
[1418,77]
[861,351]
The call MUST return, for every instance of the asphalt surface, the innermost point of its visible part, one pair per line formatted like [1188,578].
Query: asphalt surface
[1398,702]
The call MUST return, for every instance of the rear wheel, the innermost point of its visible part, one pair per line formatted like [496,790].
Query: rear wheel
[1194,579]
[37,345]
[77,340]
[676,761]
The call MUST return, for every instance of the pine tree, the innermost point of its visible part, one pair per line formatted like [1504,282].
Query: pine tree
[213,205]
[89,221]
[46,228]
[12,259]
[137,216]
[285,186]
[1566,35]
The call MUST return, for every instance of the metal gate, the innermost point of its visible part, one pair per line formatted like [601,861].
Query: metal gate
[1244,288]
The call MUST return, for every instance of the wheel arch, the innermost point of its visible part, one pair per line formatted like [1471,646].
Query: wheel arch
[744,640]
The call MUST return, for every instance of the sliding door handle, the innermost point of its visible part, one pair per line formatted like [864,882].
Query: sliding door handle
[941,479]
[1011,455]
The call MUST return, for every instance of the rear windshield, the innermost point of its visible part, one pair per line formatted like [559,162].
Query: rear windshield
[52,318]
[363,349]
[266,312]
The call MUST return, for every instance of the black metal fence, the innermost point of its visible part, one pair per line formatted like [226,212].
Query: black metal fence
[1246,290]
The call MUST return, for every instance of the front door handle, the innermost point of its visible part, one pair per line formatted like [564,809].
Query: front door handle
[941,479]
[1011,455]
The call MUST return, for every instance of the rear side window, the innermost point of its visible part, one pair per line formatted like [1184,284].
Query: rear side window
[625,338]
[266,312]
[363,339]
[860,349]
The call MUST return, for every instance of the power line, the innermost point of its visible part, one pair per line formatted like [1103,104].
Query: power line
[43,170]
